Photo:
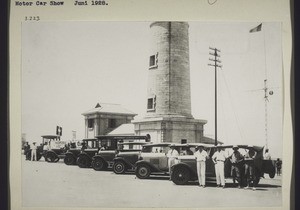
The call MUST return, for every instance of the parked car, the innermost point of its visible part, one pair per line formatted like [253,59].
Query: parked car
[154,160]
[186,170]
[104,159]
[128,154]
[89,148]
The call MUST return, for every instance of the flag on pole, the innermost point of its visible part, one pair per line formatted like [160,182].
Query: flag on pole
[256,29]
[58,130]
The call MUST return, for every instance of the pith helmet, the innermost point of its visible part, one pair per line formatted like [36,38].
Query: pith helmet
[235,146]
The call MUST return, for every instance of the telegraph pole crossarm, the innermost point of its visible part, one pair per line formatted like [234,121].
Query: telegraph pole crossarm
[215,64]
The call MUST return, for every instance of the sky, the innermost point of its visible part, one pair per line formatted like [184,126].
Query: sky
[69,67]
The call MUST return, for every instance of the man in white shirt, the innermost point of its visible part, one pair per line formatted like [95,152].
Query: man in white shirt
[33,151]
[219,158]
[267,155]
[172,154]
[201,156]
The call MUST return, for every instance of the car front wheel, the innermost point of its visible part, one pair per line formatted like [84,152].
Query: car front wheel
[180,175]
[98,164]
[143,171]
[83,162]
[69,160]
[119,167]
[50,157]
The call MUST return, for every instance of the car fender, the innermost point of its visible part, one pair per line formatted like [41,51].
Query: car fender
[152,167]
[193,172]
[100,157]
[70,153]
[84,154]
[50,151]
[124,161]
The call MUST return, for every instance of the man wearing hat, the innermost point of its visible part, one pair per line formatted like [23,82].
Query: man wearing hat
[201,156]
[219,158]
[249,167]
[236,159]
[33,151]
[172,154]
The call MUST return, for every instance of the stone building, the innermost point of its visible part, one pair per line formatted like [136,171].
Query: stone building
[104,118]
[168,117]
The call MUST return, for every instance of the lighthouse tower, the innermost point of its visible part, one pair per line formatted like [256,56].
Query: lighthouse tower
[168,115]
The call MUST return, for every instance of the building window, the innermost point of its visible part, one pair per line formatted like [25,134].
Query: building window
[90,123]
[151,104]
[153,61]
[112,123]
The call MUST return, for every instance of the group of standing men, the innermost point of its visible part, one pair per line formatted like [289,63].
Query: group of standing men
[236,160]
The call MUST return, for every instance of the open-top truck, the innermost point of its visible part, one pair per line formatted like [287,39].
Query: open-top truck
[53,148]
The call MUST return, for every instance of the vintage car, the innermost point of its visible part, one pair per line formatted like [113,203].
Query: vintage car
[154,160]
[104,159]
[128,154]
[53,148]
[89,148]
[186,170]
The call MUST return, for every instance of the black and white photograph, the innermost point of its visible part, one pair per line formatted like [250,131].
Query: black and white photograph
[152,114]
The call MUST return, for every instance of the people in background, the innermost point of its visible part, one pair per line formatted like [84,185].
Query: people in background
[172,154]
[33,152]
[278,164]
[219,158]
[27,150]
[236,160]
[267,155]
[201,156]
[249,167]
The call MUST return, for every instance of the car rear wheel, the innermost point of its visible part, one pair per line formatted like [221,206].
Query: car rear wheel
[98,164]
[143,171]
[272,173]
[180,175]
[83,161]
[119,167]
[69,160]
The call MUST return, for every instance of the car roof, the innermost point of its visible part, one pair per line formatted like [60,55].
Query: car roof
[120,137]
[163,144]
[134,143]
[50,136]
[198,144]
[242,146]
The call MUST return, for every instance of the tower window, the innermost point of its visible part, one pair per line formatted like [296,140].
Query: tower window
[153,61]
[90,123]
[151,104]
[112,123]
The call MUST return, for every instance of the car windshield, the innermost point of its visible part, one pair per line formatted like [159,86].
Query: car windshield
[130,147]
[156,149]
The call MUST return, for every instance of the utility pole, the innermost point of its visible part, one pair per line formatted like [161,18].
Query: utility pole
[216,63]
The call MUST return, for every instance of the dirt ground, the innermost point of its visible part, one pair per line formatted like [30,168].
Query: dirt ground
[58,185]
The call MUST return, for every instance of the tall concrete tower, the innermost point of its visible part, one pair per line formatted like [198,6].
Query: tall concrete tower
[168,115]
[169,71]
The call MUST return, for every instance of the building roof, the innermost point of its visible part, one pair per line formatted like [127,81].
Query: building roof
[109,108]
[208,140]
[124,129]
